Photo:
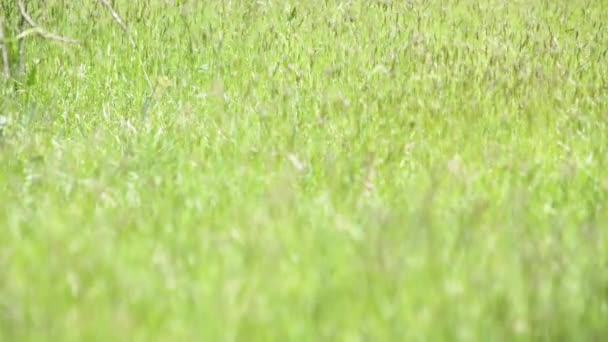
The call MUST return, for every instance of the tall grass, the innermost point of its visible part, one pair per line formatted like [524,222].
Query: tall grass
[318,170]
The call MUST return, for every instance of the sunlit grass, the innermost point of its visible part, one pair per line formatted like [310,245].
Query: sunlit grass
[324,170]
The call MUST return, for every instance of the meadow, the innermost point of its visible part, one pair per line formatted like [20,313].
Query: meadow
[319,170]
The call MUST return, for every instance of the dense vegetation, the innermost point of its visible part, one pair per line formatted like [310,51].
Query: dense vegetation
[306,170]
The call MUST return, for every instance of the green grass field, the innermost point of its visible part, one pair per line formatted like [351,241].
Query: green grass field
[315,170]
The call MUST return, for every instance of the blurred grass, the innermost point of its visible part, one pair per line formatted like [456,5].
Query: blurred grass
[325,170]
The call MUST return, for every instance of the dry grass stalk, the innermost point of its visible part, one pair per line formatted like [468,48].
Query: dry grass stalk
[5,62]
[117,19]
[21,28]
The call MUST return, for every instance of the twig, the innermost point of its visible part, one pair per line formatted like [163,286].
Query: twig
[5,62]
[115,15]
[117,19]
[24,14]
[38,30]
[124,27]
